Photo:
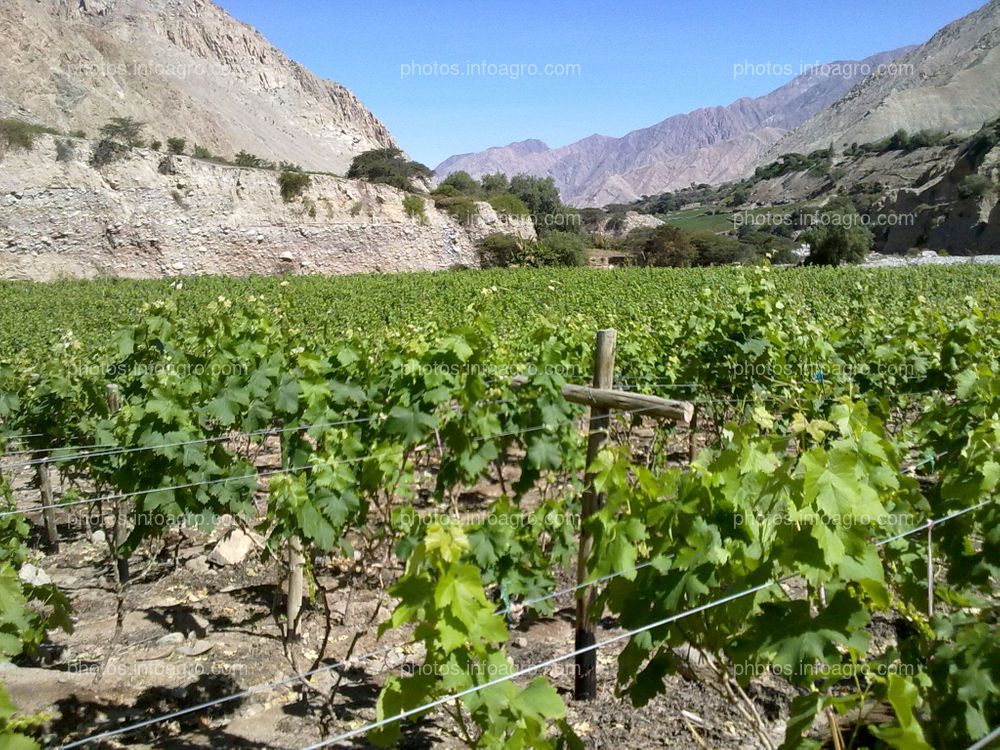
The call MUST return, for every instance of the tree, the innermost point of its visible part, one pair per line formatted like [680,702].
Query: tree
[539,194]
[839,236]
[715,249]
[561,249]
[463,182]
[669,246]
[124,130]
[389,167]
[495,184]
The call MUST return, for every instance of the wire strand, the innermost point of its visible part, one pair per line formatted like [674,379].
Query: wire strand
[986,741]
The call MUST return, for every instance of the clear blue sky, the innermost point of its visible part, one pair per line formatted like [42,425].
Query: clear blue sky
[638,61]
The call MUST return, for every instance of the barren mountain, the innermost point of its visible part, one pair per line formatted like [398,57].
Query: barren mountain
[185,68]
[951,83]
[707,145]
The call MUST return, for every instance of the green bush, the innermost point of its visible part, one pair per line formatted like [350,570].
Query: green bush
[500,250]
[415,208]
[107,152]
[176,146]
[975,186]
[510,205]
[156,145]
[561,249]
[65,150]
[200,152]
[446,191]
[293,184]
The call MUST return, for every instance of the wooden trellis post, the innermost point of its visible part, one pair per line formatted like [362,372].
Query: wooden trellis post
[44,475]
[602,399]
[121,506]
[296,566]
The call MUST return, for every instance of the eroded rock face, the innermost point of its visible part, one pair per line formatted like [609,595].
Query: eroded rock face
[187,69]
[619,228]
[156,216]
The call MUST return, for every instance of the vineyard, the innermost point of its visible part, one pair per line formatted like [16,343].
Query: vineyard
[811,561]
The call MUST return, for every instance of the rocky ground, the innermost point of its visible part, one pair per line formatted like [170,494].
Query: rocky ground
[928,258]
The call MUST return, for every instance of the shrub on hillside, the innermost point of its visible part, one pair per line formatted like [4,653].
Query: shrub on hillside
[975,186]
[251,161]
[415,208]
[461,208]
[176,146]
[108,152]
[510,205]
[17,134]
[65,150]
[446,191]
[200,152]
[293,183]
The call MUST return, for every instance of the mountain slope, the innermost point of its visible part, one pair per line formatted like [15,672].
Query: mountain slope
[951,83]
[185,68]
[680,150]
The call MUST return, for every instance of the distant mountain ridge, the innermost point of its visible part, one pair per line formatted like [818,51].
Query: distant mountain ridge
[951,83]
[707,145]
[184,67]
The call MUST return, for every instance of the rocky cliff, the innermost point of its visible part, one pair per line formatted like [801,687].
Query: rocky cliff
[185,68]
[151,215]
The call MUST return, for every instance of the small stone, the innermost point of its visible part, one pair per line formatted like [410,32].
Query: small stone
[178,266]
[287,256]
[98,537]
[197,565]
[233,549]
[521,642]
